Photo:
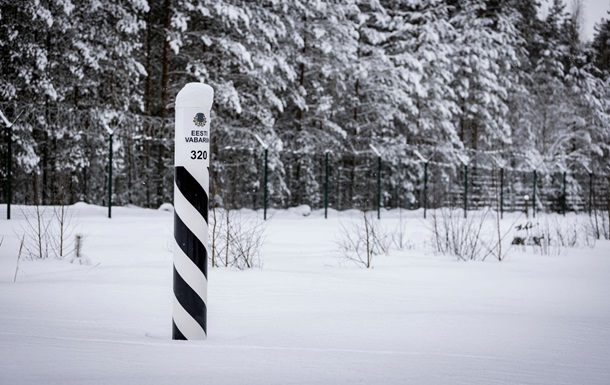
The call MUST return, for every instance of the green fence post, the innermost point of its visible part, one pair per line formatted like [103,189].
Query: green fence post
[110,175]
[265,186]
[502,193]
[590,193]
[9,161]
[564,198]
[326,185]
[425,188]
[9,171]
[379,187]
[465,190]
[378,179]
[534,196]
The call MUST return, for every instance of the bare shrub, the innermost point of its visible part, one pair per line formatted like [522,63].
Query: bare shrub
[48,232]
[213,229]
[18,258]
[599,224]
[551,236]
[542,240]
[237,238]
[452,234]
[360,241]
[567,234]
[62,230]
[36,232]
[399,236]
[476,237]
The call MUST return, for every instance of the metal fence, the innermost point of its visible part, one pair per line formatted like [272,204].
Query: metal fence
[344,181]
[140,152]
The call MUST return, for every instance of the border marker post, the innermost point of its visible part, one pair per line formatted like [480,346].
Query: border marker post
[191,197]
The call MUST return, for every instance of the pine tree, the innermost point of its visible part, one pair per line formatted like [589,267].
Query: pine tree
[485,61]
[601,44]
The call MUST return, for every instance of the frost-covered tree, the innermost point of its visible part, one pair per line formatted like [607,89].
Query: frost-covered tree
[601,44]
[237,48]
[441,76]
[436,100]
[484,75]
[70,67]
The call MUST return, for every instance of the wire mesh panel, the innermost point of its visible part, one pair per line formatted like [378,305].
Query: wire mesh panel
[62,156]
[237,178]
[600,193]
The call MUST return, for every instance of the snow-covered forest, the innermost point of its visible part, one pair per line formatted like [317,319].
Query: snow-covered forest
[490,84]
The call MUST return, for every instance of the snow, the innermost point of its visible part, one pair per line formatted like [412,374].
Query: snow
[307,316]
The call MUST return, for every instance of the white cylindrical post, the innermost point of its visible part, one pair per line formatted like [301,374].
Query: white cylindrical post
[191,196]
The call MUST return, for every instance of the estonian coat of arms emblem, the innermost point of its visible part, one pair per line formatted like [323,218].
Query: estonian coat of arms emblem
[199,119]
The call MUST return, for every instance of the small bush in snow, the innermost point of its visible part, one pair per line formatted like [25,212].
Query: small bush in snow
[551,235]
[399,236]
[237,237]
[36,232]
[47,231]
[599,224]
[452,234]
[359,241]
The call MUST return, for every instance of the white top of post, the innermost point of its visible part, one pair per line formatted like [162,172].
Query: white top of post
[195,95]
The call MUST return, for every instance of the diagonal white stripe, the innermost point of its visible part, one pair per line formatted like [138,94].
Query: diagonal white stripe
[191,217]
[190,273]
[186,324]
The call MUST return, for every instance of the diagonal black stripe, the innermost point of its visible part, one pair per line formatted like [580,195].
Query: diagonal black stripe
[176,333]
[190,301]
[192,191]
[190,245]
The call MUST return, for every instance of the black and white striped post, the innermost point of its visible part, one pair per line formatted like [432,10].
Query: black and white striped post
[191,196]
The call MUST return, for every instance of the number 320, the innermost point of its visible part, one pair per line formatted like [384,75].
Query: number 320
[199,154]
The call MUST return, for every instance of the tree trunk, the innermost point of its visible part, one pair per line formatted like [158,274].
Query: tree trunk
[164,100]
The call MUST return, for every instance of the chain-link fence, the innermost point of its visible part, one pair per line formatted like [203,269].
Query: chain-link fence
[63,156]
[345,180]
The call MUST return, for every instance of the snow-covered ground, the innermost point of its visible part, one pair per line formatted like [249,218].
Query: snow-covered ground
[307,316]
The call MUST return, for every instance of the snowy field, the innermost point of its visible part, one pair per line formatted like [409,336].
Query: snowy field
[307,316]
